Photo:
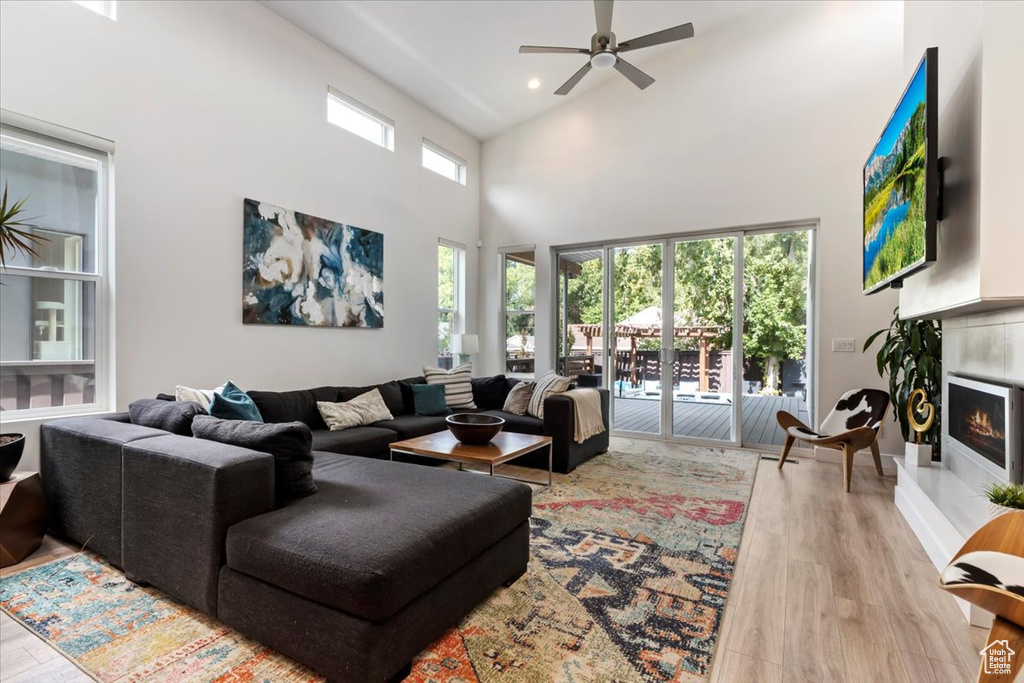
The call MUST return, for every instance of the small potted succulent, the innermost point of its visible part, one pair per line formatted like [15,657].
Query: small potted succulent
[1003,498]
[15,236]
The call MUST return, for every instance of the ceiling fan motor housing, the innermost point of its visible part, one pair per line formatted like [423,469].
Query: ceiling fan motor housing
[599,43]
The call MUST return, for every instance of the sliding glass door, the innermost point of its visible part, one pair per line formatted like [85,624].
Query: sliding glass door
[703,373]
[635,341]
[777,303]
[697,338]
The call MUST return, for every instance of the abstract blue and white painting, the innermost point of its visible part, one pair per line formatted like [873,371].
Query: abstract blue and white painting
[302,270]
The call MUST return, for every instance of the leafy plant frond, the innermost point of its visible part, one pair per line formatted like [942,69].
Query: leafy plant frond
[911,356]
[15,231]
[1006,494]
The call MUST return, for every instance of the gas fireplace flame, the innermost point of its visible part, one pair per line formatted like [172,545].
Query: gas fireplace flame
[980,424]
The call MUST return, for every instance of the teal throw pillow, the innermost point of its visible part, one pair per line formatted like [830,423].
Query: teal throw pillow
[234,404]
[428,399]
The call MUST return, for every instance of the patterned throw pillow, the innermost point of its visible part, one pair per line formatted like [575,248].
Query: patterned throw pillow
[548,385]
[201,396]
[458,390]
[364,409]
[518,401]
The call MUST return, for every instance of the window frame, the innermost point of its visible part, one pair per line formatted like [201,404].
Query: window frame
[459,162]
[503,253]
[387,140]
[458,311]
[67,142]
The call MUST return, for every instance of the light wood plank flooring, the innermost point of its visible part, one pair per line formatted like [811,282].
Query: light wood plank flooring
[829,588]
[833,587]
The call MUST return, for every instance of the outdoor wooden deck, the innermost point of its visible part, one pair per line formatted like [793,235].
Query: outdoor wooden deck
[709,420]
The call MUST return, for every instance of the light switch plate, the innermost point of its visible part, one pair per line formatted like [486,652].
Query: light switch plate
[844,345]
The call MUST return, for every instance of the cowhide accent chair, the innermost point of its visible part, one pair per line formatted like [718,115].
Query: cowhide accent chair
[989,572]
[852,425]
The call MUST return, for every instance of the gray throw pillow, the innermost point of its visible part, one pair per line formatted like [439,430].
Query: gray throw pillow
[291,444]
[364,409]
[171,416]
[518,401]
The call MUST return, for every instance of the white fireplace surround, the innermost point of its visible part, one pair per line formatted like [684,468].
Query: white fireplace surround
[944,504]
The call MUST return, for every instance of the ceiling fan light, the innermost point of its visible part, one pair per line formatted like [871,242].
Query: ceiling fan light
[603,60]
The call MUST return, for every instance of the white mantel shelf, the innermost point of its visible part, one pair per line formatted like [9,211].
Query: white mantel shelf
[943,512]
[968,308]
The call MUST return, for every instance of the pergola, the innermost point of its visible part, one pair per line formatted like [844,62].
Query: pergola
[645,324]
[628,328]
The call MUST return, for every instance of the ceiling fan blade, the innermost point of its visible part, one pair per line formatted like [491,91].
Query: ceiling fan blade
[603,12]
[639,78]
[658,37]
[576,78]
[538,49]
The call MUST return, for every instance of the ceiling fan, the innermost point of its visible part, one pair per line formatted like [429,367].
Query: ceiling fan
[604,52]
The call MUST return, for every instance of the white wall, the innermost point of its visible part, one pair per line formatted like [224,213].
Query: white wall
[768,119]
[211,102]
[980,109]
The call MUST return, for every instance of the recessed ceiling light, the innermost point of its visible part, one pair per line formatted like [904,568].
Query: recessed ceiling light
[533,84]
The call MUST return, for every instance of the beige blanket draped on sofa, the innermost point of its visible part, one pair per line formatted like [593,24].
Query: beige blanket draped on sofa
[589,421]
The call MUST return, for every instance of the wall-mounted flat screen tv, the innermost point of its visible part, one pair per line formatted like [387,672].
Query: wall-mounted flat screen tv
[901,185]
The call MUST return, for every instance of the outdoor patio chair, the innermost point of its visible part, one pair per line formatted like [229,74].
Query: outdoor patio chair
[853,424]
[989,572]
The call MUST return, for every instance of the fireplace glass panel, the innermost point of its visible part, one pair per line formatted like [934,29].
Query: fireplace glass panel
[978,420]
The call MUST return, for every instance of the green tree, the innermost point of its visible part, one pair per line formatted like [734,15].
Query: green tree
[775,292]
[775,299]
[520,295]
[445,298]
[704,287]
[637,279]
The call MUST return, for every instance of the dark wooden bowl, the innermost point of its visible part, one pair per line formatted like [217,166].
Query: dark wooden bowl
[474,429]
[10,454]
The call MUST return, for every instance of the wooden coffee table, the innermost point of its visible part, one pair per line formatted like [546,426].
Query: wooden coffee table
[506,446]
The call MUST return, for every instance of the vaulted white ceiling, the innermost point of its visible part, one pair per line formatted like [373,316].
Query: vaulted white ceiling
[460,58]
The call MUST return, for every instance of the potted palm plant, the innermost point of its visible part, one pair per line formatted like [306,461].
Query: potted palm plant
[911,355]
[16,236]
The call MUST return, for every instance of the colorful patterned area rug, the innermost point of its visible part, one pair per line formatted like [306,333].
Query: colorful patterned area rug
[631,560]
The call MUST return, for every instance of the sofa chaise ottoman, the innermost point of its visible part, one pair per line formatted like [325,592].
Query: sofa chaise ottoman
[352,581]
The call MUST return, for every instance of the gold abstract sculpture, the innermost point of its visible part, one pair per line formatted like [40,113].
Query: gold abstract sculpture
[920,415]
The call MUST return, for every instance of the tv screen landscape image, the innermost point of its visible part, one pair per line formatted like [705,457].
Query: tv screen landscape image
[899,186]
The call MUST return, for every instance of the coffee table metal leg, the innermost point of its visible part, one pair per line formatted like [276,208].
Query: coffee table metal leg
[551,448]
[391,454]
[491,466]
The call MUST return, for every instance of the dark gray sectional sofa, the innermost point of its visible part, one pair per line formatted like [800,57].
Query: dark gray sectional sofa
[489,394]
[353,580]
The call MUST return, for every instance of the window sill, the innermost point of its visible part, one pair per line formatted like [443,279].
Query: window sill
[41,416]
